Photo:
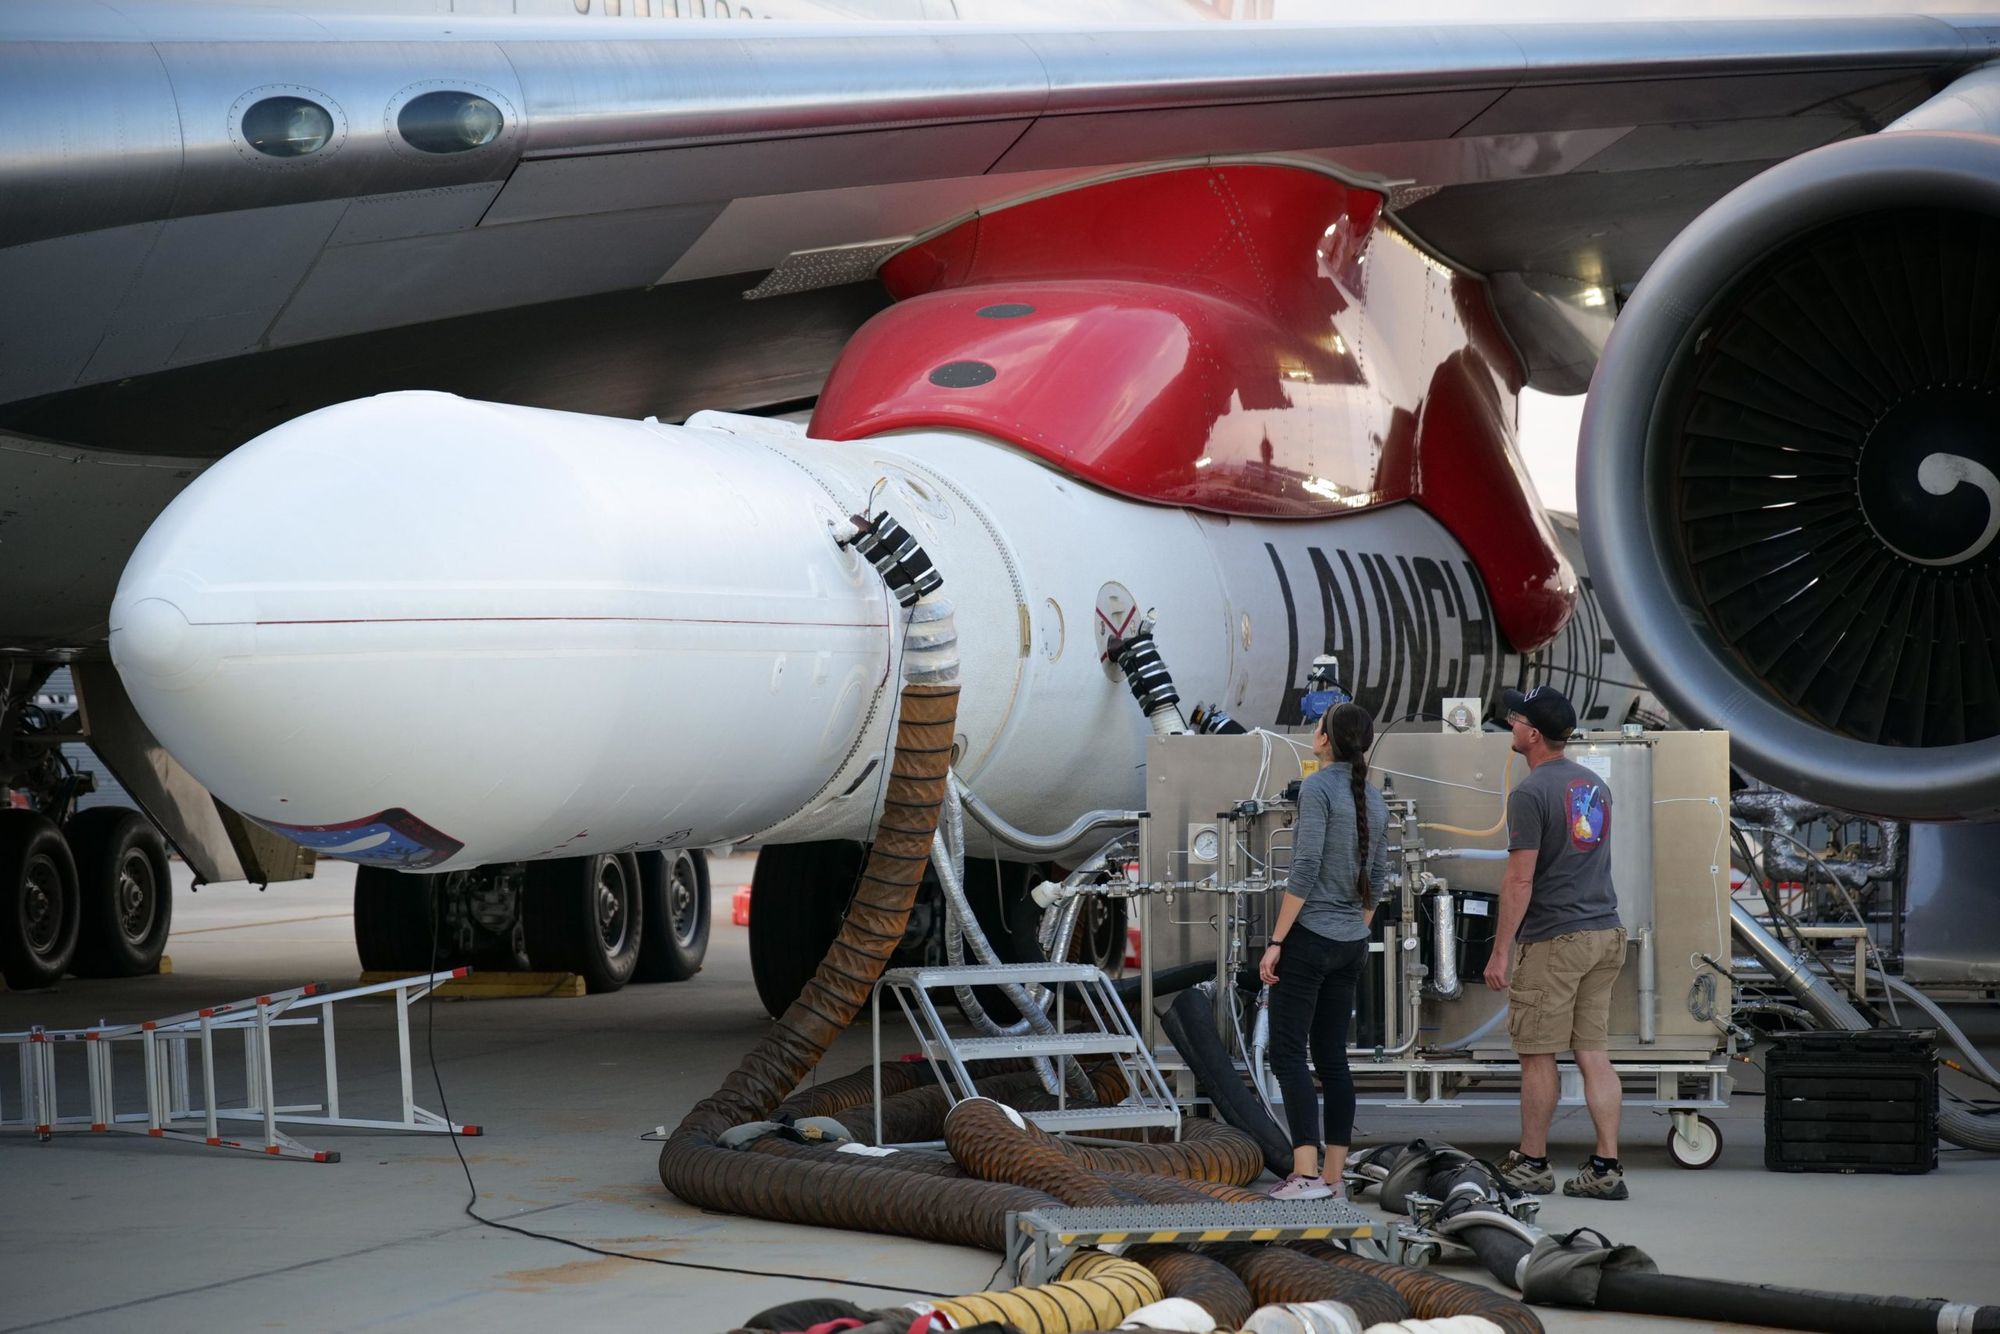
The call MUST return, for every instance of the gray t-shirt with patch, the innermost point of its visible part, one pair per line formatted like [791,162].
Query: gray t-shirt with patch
[1563,812]
[1325,870]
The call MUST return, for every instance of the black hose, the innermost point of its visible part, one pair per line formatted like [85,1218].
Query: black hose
[1779,1308]
[1166,981]
[1498,1249]
[1190,1025]
[1637,1291]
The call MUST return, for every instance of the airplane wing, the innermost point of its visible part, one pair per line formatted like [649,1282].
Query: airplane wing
[569,214]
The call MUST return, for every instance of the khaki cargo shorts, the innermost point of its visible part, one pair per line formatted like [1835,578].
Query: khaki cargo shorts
[1561,996]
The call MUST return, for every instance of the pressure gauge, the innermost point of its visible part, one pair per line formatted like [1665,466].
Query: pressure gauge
[1206,845]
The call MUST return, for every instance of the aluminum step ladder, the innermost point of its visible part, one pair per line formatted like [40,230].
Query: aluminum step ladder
[1106,1029]
[162,1049]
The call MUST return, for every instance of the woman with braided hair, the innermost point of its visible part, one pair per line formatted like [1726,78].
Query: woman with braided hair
[1340,864]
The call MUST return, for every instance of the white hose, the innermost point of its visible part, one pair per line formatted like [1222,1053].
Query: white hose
[1044,845]
[948,858]
[1458,1044]
[1981,1068]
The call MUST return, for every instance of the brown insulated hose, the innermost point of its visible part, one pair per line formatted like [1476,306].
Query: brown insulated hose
[919,1164]
[915,1116]
[996,1143]
[1432,1296]
[1207,1151]
[1206,1282]
[1279,1275]
[700,1172]
[834,1096]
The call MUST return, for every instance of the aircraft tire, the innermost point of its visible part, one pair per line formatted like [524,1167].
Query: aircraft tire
[127,893]
[586,915]
[798,894]
[392,921]
[40,908]
[675,939]
[1100,934]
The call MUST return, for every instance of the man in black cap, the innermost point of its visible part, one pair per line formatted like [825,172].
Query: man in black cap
[1558,946]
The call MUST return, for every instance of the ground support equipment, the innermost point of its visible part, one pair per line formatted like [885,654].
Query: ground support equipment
[176,1107]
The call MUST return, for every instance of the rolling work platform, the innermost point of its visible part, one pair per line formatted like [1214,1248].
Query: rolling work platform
[169,1075]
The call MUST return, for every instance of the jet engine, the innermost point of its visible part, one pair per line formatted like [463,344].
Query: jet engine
[1790,474]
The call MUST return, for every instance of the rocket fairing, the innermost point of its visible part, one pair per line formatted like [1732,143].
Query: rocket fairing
[434,633]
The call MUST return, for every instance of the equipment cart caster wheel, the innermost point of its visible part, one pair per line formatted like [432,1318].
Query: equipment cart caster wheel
[1694,1143]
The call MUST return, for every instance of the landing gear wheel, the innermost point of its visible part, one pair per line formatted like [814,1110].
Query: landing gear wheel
[1699,1149]
[1100,934]
[586,915]
[127,895]
[393,921]
[40,908]
[798,894]
[676,935]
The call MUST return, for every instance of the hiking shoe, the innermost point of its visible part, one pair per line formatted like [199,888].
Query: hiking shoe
[1591,1184]
[1296,1187]
[1523,1175]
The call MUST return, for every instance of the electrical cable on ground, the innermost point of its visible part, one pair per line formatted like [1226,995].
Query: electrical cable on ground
[472,1187]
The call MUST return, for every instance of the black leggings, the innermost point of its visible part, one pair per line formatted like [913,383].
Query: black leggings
[1313,1005]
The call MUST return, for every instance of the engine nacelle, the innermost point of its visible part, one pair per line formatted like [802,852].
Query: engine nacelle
[1790,474]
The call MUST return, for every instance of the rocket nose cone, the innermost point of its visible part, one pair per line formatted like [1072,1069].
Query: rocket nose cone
[152,637]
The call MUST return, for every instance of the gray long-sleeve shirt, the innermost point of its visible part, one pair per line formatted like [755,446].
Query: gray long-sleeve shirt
[1324,867]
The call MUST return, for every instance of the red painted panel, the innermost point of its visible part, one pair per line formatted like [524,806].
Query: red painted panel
[1205,337]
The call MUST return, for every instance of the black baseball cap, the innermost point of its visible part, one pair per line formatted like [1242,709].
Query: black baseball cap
[1545,707]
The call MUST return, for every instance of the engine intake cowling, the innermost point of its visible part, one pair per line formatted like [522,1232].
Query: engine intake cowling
[1790,474]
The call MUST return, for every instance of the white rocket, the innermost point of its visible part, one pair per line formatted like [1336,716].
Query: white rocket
[435,633]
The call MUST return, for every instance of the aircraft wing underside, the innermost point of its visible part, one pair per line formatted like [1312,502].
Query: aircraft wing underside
[171,291]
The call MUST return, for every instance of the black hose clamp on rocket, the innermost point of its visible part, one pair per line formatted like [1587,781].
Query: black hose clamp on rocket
[1139,658]
[903,565]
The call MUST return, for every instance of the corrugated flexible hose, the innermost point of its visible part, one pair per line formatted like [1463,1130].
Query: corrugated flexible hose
[1433,1296]
[695,1168]
[1096,1291]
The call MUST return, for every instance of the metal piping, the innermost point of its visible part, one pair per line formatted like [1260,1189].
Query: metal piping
[1045,845]
[1649,987]
[1445,982]
[947,857]
[1814,992]
[1831,1009]
[1770,811]
[1981,1067]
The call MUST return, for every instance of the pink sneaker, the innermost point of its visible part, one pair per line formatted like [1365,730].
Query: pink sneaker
[1296,1187]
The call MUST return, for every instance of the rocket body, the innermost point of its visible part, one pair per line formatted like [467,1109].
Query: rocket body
[433,633]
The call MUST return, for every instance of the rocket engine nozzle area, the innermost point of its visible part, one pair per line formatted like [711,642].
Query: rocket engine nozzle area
[1790,475]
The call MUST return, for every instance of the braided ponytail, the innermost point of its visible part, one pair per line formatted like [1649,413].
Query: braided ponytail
[1351,730]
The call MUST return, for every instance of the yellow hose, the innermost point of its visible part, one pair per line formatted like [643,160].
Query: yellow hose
[1498,824]
[1096,1291]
